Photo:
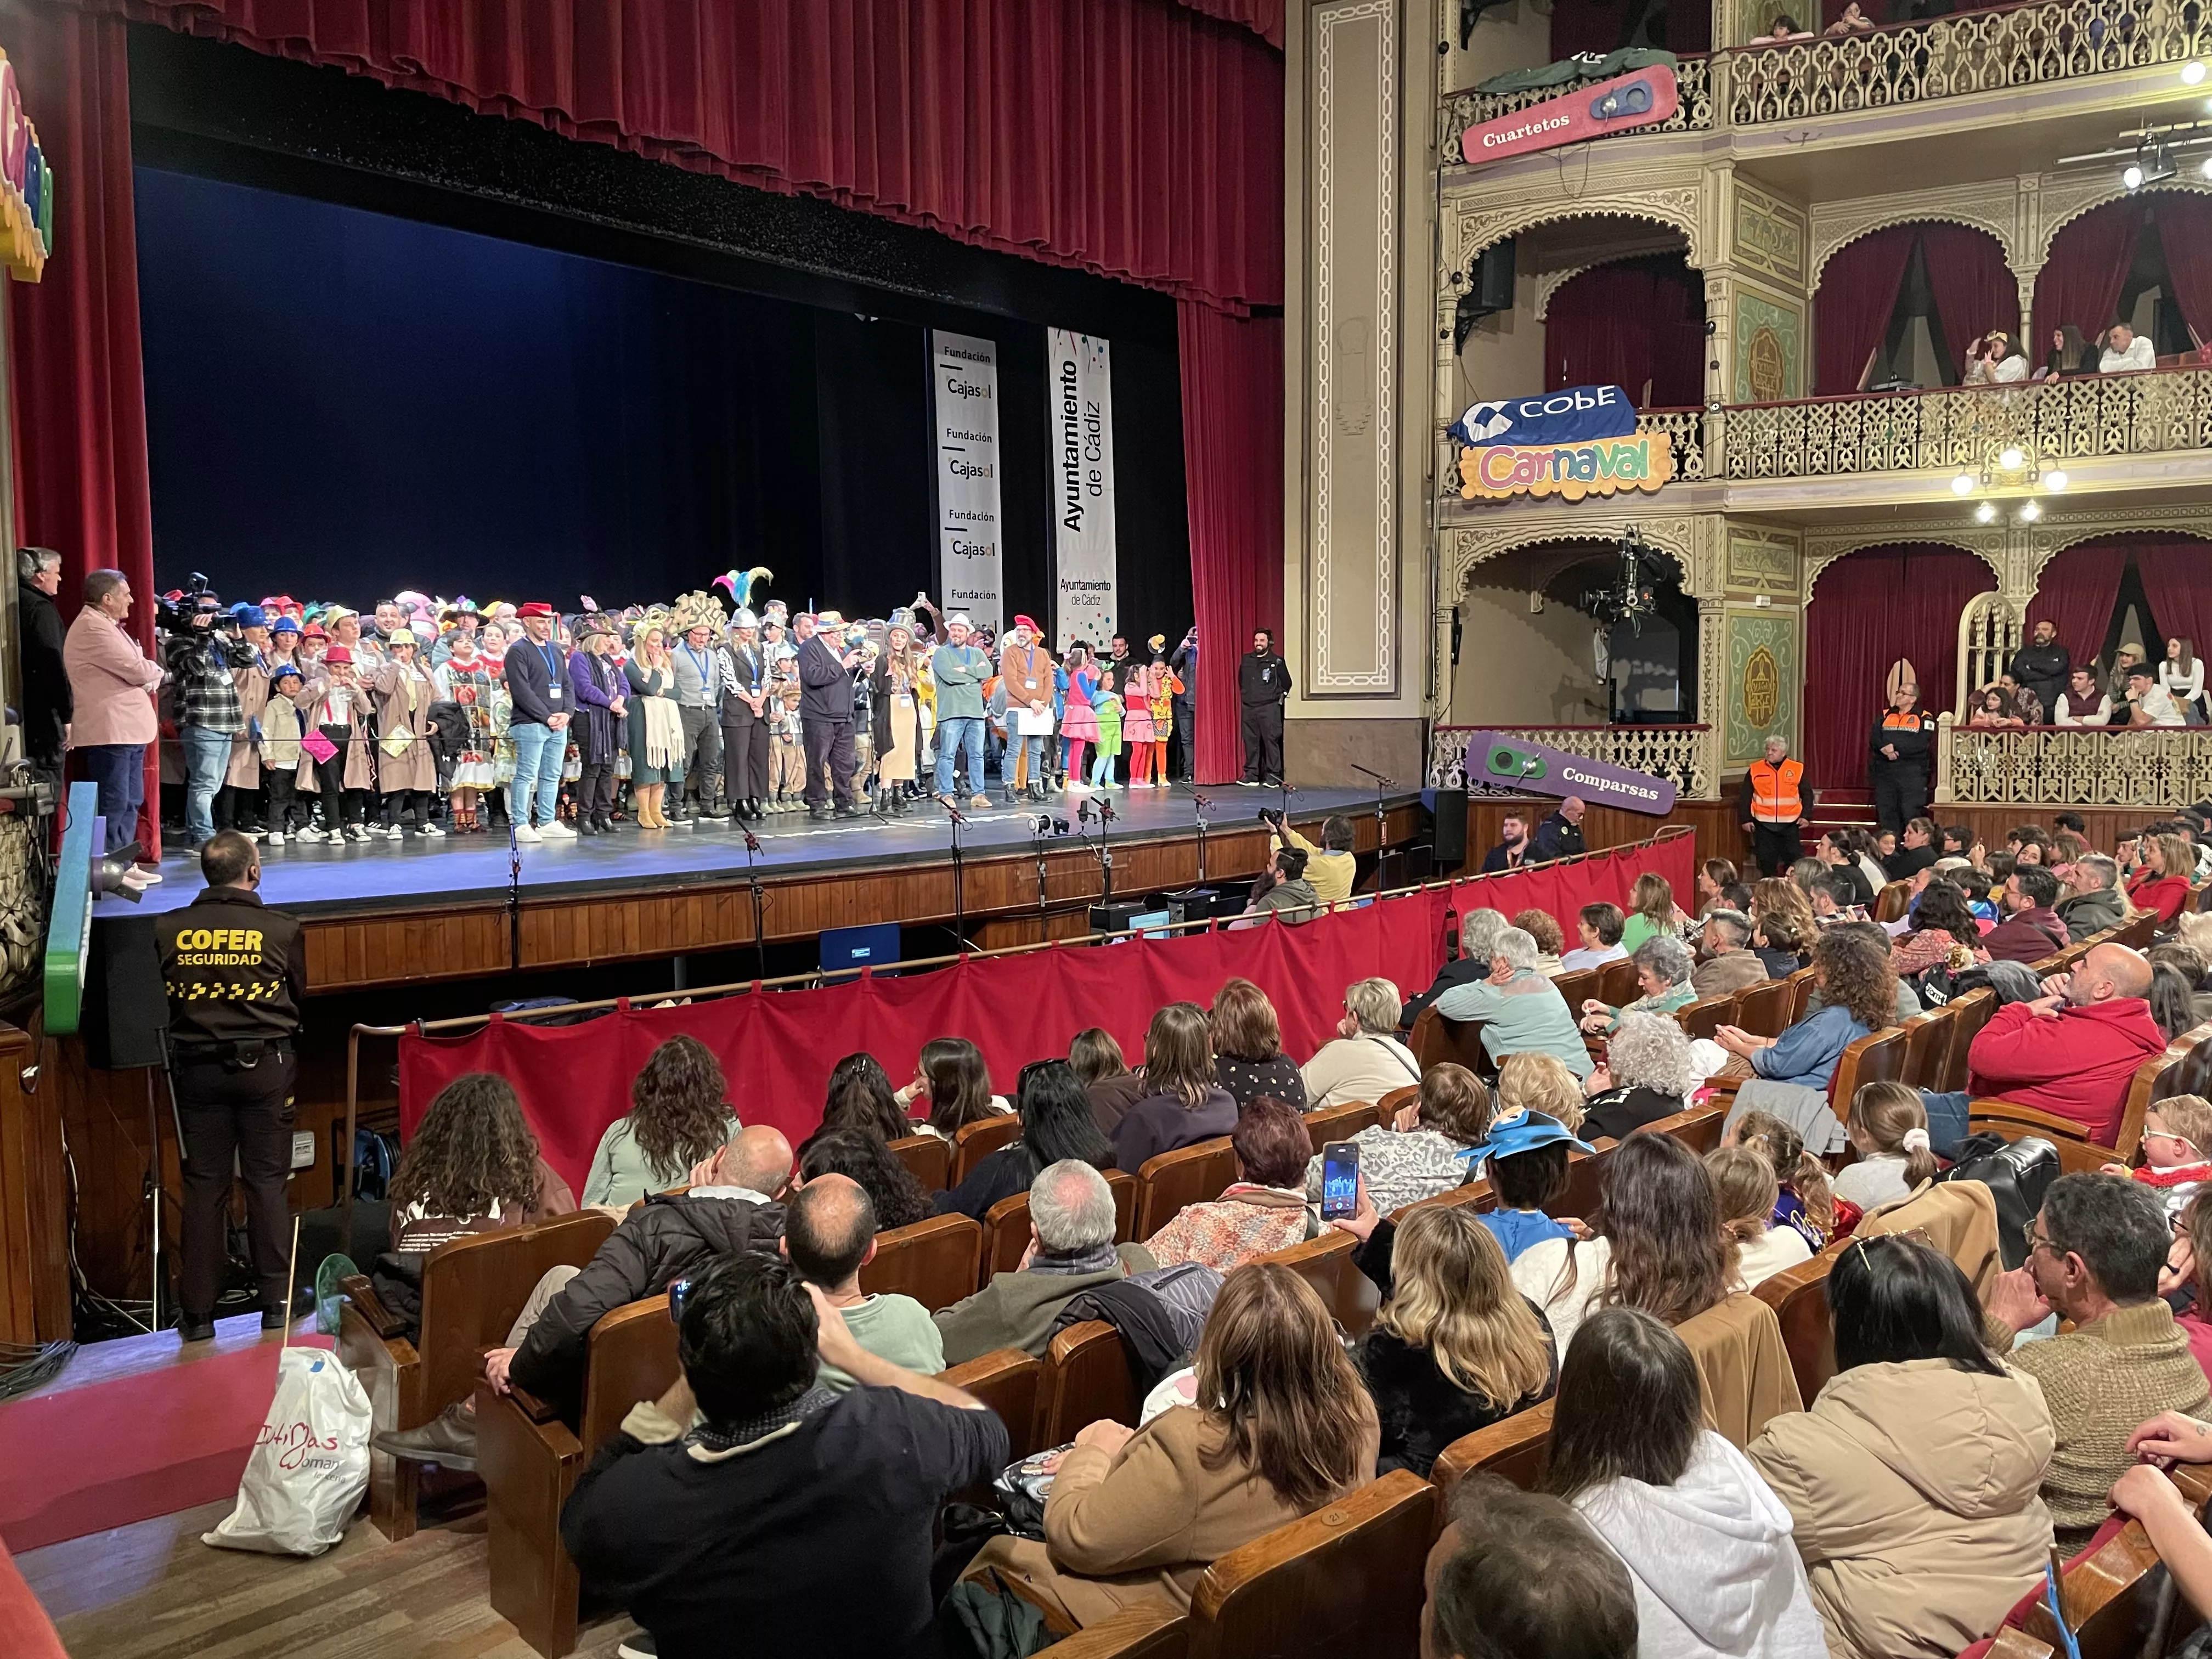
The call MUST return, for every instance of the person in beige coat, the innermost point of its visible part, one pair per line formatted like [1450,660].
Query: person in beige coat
[406,770]
[1913,1482]
[1138,1515]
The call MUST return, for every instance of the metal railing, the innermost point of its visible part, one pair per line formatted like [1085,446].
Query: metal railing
[1461,110]
[1686,436]
[2152,767]
[1682,754]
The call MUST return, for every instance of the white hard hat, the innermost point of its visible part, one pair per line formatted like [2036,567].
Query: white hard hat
[745,619]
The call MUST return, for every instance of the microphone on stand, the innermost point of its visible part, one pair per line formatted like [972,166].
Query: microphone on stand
[1106,813]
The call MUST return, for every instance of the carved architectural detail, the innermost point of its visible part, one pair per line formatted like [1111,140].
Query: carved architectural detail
[2098,766]
[1475,219]
[1996,205]
[2065,196]
[2018,553]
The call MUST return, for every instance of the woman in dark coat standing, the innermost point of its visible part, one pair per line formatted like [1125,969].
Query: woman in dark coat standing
[599,701]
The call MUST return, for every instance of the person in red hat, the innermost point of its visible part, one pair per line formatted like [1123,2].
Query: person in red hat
[543,704]
[344,777]
[1026,666]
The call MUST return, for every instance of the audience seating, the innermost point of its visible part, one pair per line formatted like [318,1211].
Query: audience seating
[1763,1010]
[1893,901]
[1514,1449]
[1085,1378]
[2138,932]
[1585,1179]
[1006,1225]
[1578,987]
[1146,1629]
[1436,1040]
[1799,1297]
[1969,1014]
[1801,994]
[928,1157]
[1699,1128]
[1927,1045]
[1741,1364]
[1170,1183]
[1325,1262]
[972,1142]
[933,1262]
[1387,1108]
[2110,1596]
[472,1291]
[1341,1122]
[1705,1016]
[1877,1057]
[1011,1383]
[1616,985]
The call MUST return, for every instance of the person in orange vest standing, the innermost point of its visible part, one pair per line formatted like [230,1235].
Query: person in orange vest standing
[1776,803]
[1898,751]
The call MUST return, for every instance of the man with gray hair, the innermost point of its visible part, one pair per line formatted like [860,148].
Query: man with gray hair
[1521,1011]
[1729,965]
[2096,902]
[1072,1250]
[1478,933]
[47,704]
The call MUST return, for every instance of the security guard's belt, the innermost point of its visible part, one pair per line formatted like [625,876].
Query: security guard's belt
[240,1056]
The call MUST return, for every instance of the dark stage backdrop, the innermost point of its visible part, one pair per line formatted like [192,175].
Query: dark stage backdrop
[341,404]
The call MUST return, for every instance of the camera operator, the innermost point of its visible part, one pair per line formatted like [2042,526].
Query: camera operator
[1330,866]
[1282,887]
[200,655]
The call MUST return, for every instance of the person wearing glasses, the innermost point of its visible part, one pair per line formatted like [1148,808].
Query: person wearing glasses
[2094,1252]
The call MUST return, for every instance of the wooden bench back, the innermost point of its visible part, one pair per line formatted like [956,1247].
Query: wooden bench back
[1616,984]
[1437,1040]
[1893,901]
[1585,1183]
[1706,1015]
[1763,1010]
[1927,1045]
[1969,1014]
[1799,1297]
[933,1262]
[1342,1122]
[929,1159]
[1698,1128]
[974,1142]
[1387,1108]
[1801,994]
[1515,1450]
[1325,1262]
[1877,1057]
[1011,1382]
[1578,987]
[1171,1182]
[1086,1378]
[474,1288]
[630,1355]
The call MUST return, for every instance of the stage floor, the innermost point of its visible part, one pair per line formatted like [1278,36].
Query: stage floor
[305,878]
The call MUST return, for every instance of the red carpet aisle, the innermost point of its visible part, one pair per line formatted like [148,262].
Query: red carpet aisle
[78,1461]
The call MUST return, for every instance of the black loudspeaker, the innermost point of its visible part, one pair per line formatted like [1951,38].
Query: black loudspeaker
[1402,867]
[1493,277]
[126,1007]
[1116,918]
[1200,904]
[1451,829]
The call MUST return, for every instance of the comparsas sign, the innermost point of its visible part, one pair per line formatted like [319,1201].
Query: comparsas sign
[1498,761]
[1627,101]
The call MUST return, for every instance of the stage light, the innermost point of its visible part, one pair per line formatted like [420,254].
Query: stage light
[2010,457]
[2029,513]
[2193,74]
[2132,176]
[2054,480]
[1963,484]
[1985,512]
[2207,168]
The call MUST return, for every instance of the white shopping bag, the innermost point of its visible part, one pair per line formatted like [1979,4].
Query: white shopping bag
[310,1463]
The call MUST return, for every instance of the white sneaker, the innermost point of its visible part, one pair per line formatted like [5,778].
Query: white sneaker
[354,832]
[142,876]
[430,830]
[524,833]
[275,837]
[556,830]
[308,832]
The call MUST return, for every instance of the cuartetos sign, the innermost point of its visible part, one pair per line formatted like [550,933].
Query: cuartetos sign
[1635,100]
[1493,471]
[1498,760]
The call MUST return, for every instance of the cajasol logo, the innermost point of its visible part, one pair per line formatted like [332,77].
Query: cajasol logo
[1505,760]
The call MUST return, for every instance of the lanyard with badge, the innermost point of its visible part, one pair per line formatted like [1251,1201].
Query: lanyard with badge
[552,673]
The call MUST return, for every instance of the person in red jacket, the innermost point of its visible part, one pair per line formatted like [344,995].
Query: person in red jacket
[2160,882]
[2031,930]
[2073,1051]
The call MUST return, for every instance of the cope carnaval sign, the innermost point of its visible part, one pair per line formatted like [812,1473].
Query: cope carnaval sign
[1620,105]
[1498,761]
[1570,415]
[27,185]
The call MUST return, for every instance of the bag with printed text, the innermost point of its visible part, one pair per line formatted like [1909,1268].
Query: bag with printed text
[309,1467]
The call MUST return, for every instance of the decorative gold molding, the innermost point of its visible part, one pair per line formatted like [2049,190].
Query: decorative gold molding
[1474,218]
[1998,206]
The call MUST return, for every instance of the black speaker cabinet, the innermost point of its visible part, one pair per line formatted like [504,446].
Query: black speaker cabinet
[125,1006]
[1451,829]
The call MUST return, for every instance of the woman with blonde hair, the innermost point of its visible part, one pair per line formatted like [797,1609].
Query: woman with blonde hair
[656,726]
[1652,913]
[1744,1185]
[1457,1347]
[2161,881]
[898,689]
[1280,1426]
[1248,1047]
[1364,1061]
[1182,1102]
[1541,1083]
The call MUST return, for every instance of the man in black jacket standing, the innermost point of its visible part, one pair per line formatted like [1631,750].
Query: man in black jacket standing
[825,711]
[1184,704]
[2043,665]
[1902,745]
[47,703]
[1263,680]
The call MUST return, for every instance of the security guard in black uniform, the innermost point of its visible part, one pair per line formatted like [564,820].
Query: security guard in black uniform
[237,979]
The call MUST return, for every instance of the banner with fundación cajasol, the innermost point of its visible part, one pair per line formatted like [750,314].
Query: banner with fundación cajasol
[1079,415]
[963,387]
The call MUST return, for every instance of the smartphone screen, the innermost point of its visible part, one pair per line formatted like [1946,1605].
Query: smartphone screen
[1339,1180]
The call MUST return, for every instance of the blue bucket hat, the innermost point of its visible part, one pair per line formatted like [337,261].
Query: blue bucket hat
[1523,1131]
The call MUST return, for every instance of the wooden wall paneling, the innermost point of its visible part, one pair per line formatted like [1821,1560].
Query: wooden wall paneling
[34,1286]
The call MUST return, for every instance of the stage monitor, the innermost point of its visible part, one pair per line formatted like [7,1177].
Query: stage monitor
[875,945]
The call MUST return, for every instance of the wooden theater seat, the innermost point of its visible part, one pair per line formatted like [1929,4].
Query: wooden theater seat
[933,1262]
[1763,1010]
[1799,1297]
[1893,901]
[1341,1122]
[1705,1016]
[1801,994]
[1325,1262]
[928,1158]
[1578,987]
[1387,1108]
[1616,985]
[2138,931]
[1170,1183]
[1011,1383]
[1514,1449]
[1585,1181]
[1969,1014]
[1436,1040]
[974,1142]
[1085,1378]
[472,1291]
[1699,1128]
[1143,1630]
[1927,1046]
[1877,1057]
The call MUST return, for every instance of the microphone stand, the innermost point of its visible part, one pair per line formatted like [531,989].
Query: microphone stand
[1382,821]
[959,913]
[760,899]
[513,899]
[1100,850]
[1036,841]
[1200,803]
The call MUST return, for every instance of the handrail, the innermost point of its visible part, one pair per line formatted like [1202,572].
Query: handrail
[1593,725]
[1666,833]
[1985,386]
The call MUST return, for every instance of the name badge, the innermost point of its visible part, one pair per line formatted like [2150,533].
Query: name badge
[905,702]
[1032,685]
[552,693]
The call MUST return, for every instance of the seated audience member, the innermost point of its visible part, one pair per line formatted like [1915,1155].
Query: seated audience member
[1282,891]
[1105,1075]
[1653,914]
[1423,1150]
[900,1199]
[679,1115]
[1858,991]
[1331,865]
[1730,964]
[1139,1515]
[1944,934]
[2189,961]
[2126,352]
[1993,706]
[2070,354]
[2148,703]
[1551,943]
[1782,936]
[861,1097]
[1663,966]
[753,1520]
[1182,1102]
[1526,1161]
[1744,1188]
[1959,841]
[1478,937]
[1599,927]
[953,1084]
[1513,845]
[1521,1010]
[1804,1201]
[1834,896]
[1647,1075]
[1659,1244]
[2095,903]
[2186,1273]
[2161,881]
[1888,1130]
[1560,835]
[1364,1061]
[1248,1047]
[829,1236]
[1706,1544]
[1262,1211]
[2095,1251]
[1906,999]
[1057,1126]
[1532,1082]
[2176,1133]
[1519,1575]
[1866,852]
[2031,929]
[2145,1493]
[2083,702]
[1715,877]
[1072,1248]
[2025,700]
[1913,1480]
[1838,854]
[1916,851]
[1785,31]
[2172,1004]
[1457,1347]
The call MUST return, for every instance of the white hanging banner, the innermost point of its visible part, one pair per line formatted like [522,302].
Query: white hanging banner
[1080,405]
[963,382]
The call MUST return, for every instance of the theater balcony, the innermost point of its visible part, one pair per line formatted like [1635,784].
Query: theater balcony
[2087,767]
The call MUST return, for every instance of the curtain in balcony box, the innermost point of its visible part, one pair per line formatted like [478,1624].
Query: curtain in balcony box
[2177,578]
[1851,310]
[2081,282]
[1641,321]
[1868,610]
[2185,225]
[2076,593]
[1974,288]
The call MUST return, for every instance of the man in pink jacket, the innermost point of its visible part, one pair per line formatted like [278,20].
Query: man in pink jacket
[2073,1053]
[113,682]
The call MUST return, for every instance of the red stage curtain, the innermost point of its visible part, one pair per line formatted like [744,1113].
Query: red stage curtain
[1622,324]
[2077,591]
[1133,139]
[2081,282]
[1851,310]
[1232,448]
[1263,17]
[2185,225]
[1975,290]
[2177,578]
[1868,610]
[77,398]
[777,1047]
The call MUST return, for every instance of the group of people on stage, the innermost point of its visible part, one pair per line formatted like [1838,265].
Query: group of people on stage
[290,721]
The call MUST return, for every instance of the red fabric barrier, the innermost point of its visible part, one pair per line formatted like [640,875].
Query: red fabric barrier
[777,1047]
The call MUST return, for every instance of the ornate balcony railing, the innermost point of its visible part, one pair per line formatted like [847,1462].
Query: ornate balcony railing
[1951,56]
[1461,110]
[1686,434]
[2156,767]
[1684,754]
[1962,429]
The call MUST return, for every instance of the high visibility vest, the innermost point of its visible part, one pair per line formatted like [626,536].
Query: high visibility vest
[1774,798]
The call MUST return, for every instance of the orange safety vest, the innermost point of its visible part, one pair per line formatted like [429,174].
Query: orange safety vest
[1774,798]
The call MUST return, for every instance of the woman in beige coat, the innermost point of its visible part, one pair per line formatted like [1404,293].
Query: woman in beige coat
[1141,1515]
[406,770]
[1911,1482]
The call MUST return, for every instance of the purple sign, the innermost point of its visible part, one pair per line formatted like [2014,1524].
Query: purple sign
[1498,760]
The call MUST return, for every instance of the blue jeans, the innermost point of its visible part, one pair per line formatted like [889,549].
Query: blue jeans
[207,757]
[1009,764]
[118,770]
[538,752]
[962,734]
[1946,1120]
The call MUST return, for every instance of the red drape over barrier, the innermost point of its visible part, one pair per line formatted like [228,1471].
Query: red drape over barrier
[1856,300]
[1974,289]
[2075,593]
[2081,282]
[1635,322]
[777,1047]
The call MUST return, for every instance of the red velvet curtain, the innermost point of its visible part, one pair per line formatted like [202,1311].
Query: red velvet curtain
[2185,225]
[1851,310]
[2177,578]
[2081,282]
[2076,592]
[77,398]
[1130,138]
[1232,453]
[1975,290]
[1623,325]
[1868,610]
[1263,17]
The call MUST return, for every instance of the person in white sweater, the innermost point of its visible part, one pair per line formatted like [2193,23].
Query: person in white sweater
[1364,1061]
[1707,1544]
[2181,676]
[1746,1185]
